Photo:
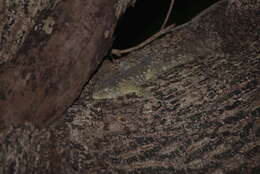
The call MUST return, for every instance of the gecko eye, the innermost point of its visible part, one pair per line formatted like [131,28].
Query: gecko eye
[147,16]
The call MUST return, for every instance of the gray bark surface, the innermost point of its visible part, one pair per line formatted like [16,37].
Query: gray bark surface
[187,103]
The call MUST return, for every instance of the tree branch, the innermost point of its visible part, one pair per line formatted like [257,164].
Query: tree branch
[168,15]
[162,31]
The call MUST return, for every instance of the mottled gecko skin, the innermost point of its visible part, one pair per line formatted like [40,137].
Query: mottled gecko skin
[135,70]
[126,82]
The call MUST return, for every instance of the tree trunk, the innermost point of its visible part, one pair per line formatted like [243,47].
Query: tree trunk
[48,51]
[187,103]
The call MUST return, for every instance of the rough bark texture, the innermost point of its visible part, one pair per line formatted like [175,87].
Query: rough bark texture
[48,50]
[187,103]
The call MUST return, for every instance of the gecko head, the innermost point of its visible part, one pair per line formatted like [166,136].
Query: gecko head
[121,89]
[105,93]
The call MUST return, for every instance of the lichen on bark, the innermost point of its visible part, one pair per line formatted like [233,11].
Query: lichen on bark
[18,19]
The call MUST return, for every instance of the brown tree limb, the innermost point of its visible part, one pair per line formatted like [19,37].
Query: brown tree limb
[40,45]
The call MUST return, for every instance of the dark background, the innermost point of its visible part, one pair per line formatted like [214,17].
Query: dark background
[147,16]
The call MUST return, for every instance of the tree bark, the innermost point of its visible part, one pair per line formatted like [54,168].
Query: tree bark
[48,51]
[186,103]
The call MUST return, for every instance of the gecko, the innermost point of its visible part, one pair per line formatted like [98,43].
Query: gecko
[129,75]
